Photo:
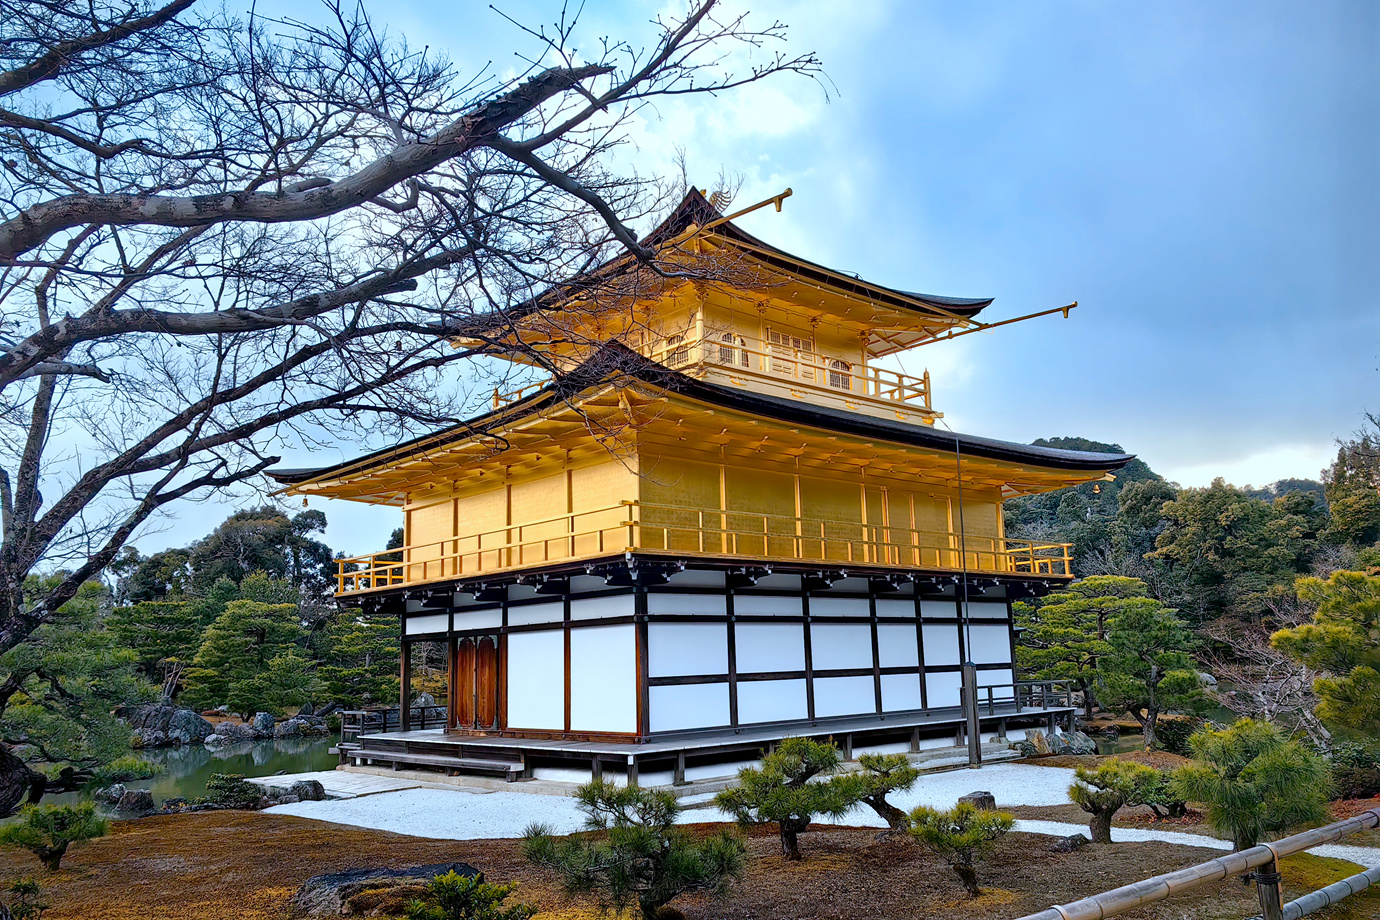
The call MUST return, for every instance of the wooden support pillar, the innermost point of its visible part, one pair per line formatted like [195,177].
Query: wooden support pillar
[1053,722]
[679,778]
[970,712]
[1267,888]
[405,689]
[632,769]
[847,745]
[915,740]
[596,768]
[1001,731]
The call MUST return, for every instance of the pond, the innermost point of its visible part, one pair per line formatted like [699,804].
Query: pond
[186,769]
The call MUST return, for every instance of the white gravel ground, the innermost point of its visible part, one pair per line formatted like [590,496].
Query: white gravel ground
[462,814]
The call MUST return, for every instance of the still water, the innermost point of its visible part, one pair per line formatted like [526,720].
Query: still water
[185,770]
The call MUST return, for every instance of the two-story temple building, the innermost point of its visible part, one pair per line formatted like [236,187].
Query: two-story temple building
[721,523]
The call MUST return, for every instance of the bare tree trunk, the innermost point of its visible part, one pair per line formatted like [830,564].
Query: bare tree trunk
[18,783]
[968,876]
[1100,826]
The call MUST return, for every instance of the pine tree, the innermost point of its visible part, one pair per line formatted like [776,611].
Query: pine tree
[1149,671]
[1065,634]
[359,658]
[784,790]
[1254,781]
[236,649]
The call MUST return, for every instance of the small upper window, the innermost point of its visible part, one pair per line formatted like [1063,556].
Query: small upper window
[840,375]
[677,352]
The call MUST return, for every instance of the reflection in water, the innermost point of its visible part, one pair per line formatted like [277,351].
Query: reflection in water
[186,769]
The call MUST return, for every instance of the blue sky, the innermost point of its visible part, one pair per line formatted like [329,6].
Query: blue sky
[1202,178]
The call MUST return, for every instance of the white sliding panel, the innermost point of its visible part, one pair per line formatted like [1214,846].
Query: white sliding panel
[770,647]
[687,604]
[991,644]
[434,623]
[887,607]
[478,619]
[688,706]
[603,679]
[686,649]
[771,700]
[844,696]
[840,607]
[759,605]
[550,612]
[602,608]
[936,609]
[842,645]
[900,691]
[897,646]
[943,689]
[987,610]
[536,679]
[941,643]
[994,678]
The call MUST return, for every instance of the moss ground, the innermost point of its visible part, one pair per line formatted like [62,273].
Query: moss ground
[246,866]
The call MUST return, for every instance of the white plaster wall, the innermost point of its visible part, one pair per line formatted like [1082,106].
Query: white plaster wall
[900,691]
[691,604]
[844,696]
[478,619]
[536,679]
[434,623]
[896,645]
[770,647]
[840,607]
[841,645]
[603,679]
[889,607]
[596,608]
[551,612]
[990,644]
[771,700]
[941,643]
[686,649]
[688,706]
[943,689]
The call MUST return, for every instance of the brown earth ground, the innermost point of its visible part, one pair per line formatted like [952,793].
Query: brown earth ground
[246,866]
[1142,816]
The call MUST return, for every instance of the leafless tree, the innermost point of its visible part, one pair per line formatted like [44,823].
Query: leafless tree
[1258,681]
[221,236]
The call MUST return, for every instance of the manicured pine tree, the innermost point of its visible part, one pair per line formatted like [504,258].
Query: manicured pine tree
[360,659]
[636,853]
[1104,791]
[1065,634]
[1149,671]
[236,649]
[883,774]
[783,791]
[1254,781]
[960,836]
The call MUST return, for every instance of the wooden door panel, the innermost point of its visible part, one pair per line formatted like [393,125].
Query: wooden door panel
[486,683]
[464,666]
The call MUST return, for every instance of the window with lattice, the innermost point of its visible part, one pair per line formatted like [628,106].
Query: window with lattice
[840,375]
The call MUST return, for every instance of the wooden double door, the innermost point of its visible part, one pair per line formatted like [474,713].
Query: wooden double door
[474,684]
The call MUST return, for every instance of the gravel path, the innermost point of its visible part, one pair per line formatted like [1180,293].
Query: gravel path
[462,814]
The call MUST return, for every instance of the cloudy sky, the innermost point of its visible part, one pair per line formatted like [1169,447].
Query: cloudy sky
[1201,178]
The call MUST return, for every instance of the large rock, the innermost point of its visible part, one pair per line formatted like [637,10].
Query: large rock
[1069,844]
[263,724]
[306,711]
[308,790]
[229,733]
[329,895]
[289,729]
[983,800]
[327,710]
[113,794]
[424,699]
[1078,743]
[139,801]
[186,727]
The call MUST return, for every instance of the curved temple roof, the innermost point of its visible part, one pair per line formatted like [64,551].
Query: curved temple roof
[616,361]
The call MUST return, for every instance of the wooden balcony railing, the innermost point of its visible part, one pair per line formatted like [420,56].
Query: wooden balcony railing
[798,367]
[635,525]
[780,365]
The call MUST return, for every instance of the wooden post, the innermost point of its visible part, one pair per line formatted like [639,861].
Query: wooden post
[596,768]
[1267,888]
[848,746]
[405,689]
[970,711]
[1001,731]
[679,778]
[632,770]
[915,740]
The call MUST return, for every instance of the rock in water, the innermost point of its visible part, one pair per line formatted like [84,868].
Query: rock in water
[1079,743]
[138,801]
[186,727]
[1069,844]
[983,800]
[309,790]
[113,794]
[328,895]
[263,724]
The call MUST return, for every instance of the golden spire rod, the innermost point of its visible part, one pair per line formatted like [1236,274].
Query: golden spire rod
[983,327]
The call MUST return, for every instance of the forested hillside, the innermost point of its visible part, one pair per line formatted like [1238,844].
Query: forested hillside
[1272,591]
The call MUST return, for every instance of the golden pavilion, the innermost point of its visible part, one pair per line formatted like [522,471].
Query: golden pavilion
[721,522]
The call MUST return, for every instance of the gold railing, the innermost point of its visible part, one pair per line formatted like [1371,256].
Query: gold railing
[783,364]
[634,525]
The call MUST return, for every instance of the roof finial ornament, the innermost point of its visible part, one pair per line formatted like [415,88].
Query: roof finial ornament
[720,200]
